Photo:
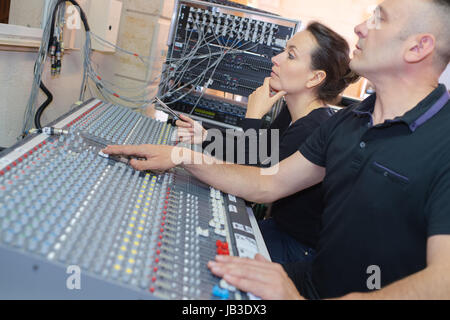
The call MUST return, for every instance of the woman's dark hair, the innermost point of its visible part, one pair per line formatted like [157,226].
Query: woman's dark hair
[331,56]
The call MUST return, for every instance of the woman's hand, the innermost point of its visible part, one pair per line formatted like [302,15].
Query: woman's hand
[190,131]
[258,276]
[260,102]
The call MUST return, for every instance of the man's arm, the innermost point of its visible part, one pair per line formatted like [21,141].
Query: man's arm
[431,283]
[269,281]
[254,184]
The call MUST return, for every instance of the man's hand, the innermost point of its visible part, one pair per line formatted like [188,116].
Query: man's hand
[260,277]
[260,101]
[154,157]
[190,131]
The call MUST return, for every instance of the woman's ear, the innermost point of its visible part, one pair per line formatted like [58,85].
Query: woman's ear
[317,79]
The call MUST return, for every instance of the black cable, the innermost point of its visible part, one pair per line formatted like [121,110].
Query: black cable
[40,111]
[82,16]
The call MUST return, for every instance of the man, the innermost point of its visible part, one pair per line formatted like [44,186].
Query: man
[385,167]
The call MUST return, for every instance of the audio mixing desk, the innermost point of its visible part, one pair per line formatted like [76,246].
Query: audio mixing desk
[130,234]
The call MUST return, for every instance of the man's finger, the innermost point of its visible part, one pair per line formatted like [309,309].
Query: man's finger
[258,288]
[129,150]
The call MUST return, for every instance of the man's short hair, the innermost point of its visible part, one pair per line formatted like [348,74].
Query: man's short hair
[443,43]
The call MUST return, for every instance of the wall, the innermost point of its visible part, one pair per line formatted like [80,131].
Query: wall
[139,21]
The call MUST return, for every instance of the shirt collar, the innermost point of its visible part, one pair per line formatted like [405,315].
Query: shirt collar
[417,116]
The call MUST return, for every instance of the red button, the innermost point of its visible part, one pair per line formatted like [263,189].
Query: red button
[158,251]
[162,230]
[218,243]
[156,260]
[20,159]
[160,236]
[2,173]
[35,148]
[152,289]
[25,156]
[31,152]
[155,269]
[162,223]
[164,218]
[14,163]
[225,245]
[165,207]
[8,168]
[166,202]
[159,244]
[165,212]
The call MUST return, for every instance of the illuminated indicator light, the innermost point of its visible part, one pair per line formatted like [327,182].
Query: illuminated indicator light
[161,230]
[155,269]
[138,207]
[120,257]
[123,248]
[158,251]
[139,201]
[129,233]
[136,243]
[133,218]
[131,261]
[135,212]
[141,229]
[129,271]
[157,260]
[160,237]
[164,218]
[126,240]
[142,222]
[154,279]
[117,267]
[139,236]
[152,289]
[141,196]
[147,204]
[162,223]
[131,225]
[144,215]
[159,244]
[145,209]
[133,251]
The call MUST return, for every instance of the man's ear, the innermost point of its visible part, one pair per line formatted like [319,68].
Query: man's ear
[317,79]
[420,47]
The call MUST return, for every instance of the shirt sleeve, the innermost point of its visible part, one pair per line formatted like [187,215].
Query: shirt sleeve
[437,208]
[314,148]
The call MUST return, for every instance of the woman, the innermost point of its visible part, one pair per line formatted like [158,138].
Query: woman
[311,72]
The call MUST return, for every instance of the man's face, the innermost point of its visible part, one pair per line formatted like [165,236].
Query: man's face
[381,45]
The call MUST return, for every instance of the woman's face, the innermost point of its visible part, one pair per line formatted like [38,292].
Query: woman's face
[291,69]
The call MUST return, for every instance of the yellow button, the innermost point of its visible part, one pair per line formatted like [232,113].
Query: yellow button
[120,257]
[142,221]
[136,243]
[123,248]
[133,251]
[129,271]
[129,233]
[133,218]
[143,215]
[141,229]
[137,207]
[145,209]
[131,225]
[126,240]
[139,201]
[139,236]
[117,267]
[131,261]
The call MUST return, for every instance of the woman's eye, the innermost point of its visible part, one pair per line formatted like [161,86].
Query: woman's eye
[290,56]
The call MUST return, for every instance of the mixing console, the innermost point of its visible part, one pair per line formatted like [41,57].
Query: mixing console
[132,234]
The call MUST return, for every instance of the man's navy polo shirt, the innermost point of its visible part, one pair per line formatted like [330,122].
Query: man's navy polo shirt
[386,191]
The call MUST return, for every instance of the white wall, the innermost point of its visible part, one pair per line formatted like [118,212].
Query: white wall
[445,78]
[139,18]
